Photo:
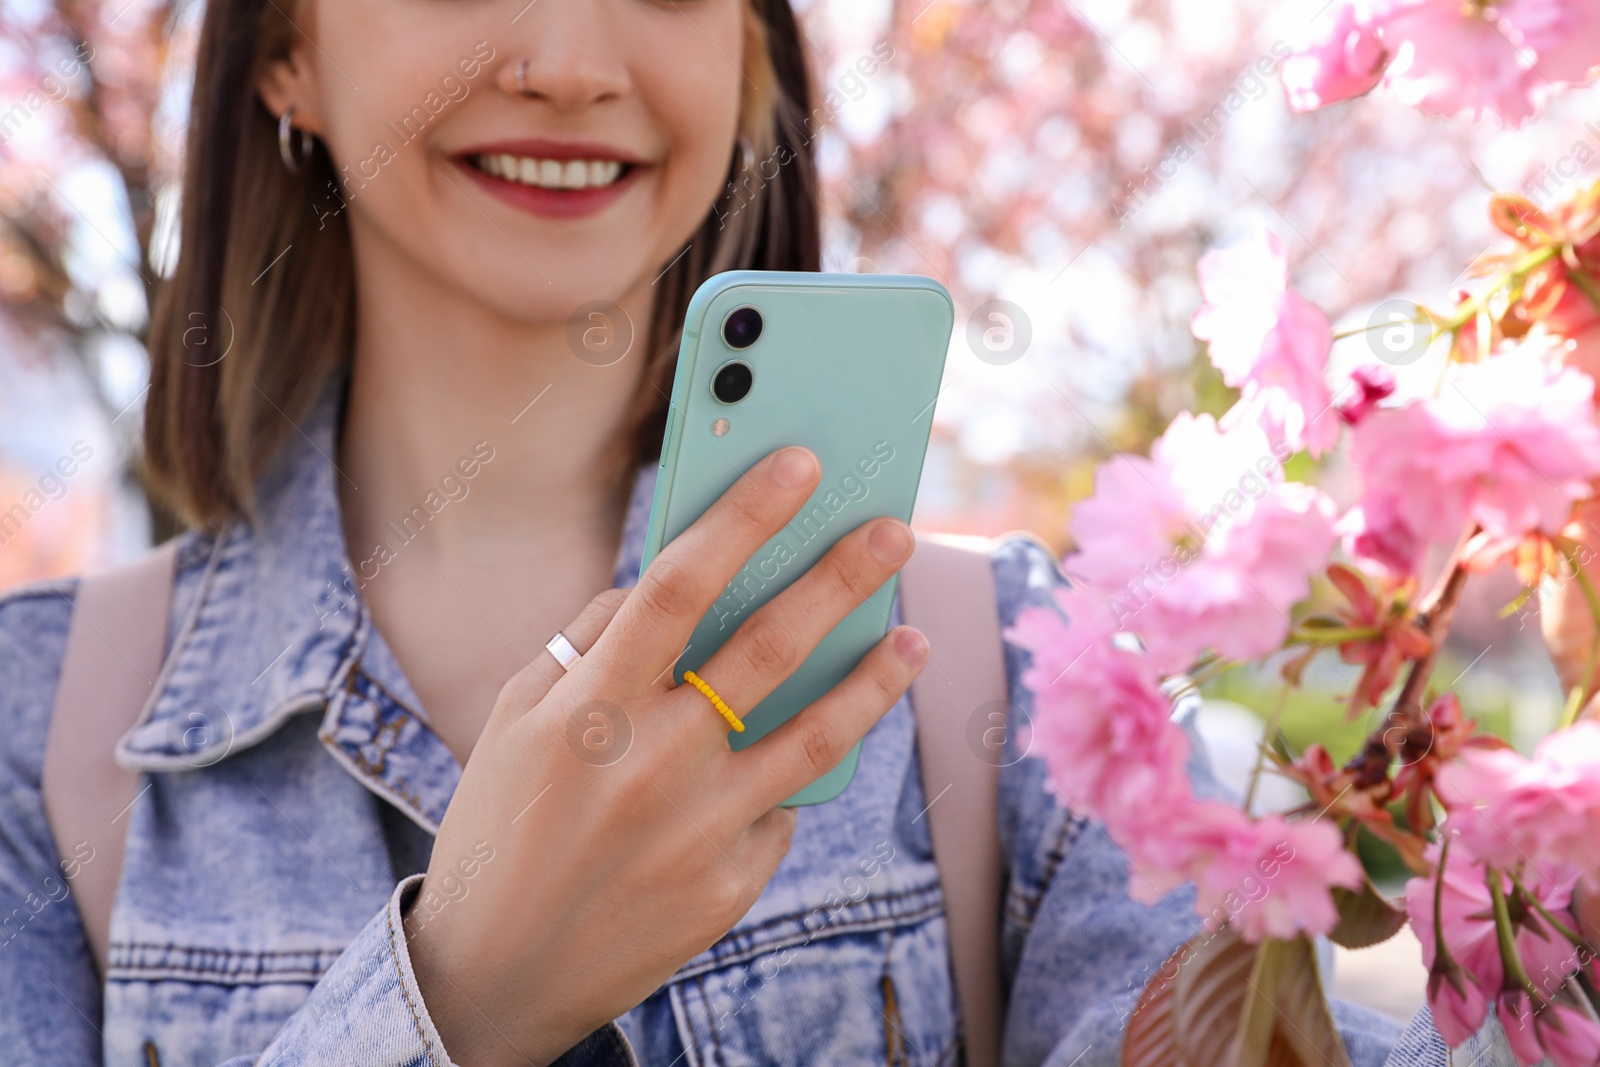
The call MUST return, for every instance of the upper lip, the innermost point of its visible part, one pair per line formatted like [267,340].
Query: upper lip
[543,148]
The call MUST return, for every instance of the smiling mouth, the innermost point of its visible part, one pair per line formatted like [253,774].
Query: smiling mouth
[558,174]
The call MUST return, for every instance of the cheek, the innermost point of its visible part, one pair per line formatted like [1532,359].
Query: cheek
[695,100]
[381,72]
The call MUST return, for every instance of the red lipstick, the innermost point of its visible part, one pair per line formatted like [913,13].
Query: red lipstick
[547,202]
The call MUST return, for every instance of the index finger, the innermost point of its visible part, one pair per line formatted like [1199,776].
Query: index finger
[680,585]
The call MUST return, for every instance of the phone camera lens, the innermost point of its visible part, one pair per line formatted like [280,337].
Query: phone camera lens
[732,383]
[742,327]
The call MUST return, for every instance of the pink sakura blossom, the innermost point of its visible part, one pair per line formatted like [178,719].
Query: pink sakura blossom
[1373,385]
[1569,1037]
[1272,877]
[1342,59]
[1557,1032]
[1506,809]
[1268,342]
[1459,995]
[1379,531]
[1506,57]
[1448,56]
[1102,723]
[1104,728]
[1466,982]
[1510,444]
[1201,545]
[1058,639]
[1459,1006]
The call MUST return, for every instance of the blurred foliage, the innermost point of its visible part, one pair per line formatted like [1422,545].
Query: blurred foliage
[1318,713]
[102,113]
[83,161]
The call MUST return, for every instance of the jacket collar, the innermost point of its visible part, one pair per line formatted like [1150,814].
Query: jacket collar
[275,619]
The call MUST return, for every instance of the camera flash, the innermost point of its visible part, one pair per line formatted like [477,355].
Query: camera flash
[719,427]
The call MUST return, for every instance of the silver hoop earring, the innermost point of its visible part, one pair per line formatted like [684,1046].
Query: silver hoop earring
[286,147]
[747,153]
[522,80]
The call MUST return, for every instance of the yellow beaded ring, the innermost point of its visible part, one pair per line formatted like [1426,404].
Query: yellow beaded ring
[716,701]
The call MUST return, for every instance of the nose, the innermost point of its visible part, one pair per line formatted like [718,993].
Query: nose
[566,55]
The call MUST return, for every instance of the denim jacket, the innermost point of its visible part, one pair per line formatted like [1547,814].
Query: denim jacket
[292,786]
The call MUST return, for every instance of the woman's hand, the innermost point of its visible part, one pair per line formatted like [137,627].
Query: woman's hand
[1564,614]
[604,879]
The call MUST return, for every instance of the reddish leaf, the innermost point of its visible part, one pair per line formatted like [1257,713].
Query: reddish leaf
[1286,1021]
[1294,668]
[1151,1039]
[1354,588]
[1365,917]
[1411,641]
[1519,217]
[1209,998]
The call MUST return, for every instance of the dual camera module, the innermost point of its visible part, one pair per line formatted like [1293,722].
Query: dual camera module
[740,330]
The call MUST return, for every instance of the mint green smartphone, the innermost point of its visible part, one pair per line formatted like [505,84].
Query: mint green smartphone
[847,365]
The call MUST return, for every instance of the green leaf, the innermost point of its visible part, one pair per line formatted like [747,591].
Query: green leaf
[1366,918]
[1516,603]
[1150,1039]
[1286,1022]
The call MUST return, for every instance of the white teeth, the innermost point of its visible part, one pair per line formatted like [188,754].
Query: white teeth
[551,173]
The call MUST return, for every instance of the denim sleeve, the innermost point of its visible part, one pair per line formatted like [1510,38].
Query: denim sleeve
[367,1009]
[1076,950]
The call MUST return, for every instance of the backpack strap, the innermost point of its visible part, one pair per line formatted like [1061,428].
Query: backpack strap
[114,652]
[947,591]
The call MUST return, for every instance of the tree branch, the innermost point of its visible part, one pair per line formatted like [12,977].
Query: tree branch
[1408,718]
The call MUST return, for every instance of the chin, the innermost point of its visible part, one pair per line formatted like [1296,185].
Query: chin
[580,288]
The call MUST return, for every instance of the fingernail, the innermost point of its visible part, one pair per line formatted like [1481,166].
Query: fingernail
[890,541]
[911,645]
[794,468]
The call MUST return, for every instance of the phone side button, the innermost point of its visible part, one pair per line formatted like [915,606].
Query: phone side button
[667,438]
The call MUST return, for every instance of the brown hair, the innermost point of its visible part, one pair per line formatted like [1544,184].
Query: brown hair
[240,352]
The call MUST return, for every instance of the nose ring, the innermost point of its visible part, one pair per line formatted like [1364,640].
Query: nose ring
[522,79]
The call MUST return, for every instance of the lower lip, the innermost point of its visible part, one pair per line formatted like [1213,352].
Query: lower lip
[552,203]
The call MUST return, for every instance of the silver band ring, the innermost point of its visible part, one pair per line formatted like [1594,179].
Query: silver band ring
[559,647]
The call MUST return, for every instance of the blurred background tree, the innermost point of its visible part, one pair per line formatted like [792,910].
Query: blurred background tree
[85,155]
[1077,158]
